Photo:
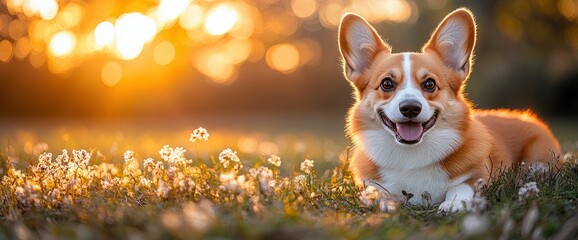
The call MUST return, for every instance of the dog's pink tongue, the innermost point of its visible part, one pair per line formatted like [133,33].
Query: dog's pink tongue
[409,131]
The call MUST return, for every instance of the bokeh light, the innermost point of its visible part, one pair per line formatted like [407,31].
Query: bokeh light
[283,57]
[65,34]
[169,10]
[221,20]
[133,30]
[70,33]
[192,17]
[164,53]
[104,34]
[5,50]
[303,8]
[62,44]
[111,74]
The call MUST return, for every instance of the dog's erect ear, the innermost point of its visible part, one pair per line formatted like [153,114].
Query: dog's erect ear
[454,40]
[358,43]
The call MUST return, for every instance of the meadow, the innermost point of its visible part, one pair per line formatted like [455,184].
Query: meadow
[190,183]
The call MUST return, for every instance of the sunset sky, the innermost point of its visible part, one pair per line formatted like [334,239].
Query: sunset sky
[167,58]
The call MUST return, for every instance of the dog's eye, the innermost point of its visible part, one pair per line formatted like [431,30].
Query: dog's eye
[429,85]
[387,84]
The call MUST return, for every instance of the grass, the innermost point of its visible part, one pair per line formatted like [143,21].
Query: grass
[191,193]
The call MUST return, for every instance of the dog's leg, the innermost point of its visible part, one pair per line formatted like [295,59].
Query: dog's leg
[458,198]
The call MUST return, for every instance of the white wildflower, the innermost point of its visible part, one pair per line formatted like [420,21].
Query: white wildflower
[128,156]
[569,157]
[174,156]
[228,157]
[63,158]
[371,196]
[230,181]
[307,165]
[199,134]
[299,183]
[274,160]
[149,164]
[81,157]
[537,169]
[44,162]
[528,191]
[265,177]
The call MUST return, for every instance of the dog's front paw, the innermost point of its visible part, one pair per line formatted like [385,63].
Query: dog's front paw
[454,205]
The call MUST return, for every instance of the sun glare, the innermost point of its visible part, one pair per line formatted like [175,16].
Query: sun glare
[65,35]
[221,20]
[62,44]
[169,10]
[133,31]
[104,33]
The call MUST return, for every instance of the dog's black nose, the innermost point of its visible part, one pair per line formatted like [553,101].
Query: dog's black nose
[410,108]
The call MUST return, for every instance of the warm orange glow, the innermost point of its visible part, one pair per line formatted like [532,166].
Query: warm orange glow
[283,57]
[67,30]
[22,48]
[303,8]
[133,30]
[221,20]
[47,9]
[71,15]
[62,44]
[238,50]
[16,29]
[330,15]
[111,74]
[164,53]
[216,65]
[192,17]
[104,34]
[169,10]
[568,8]
[5,51]
[37,59]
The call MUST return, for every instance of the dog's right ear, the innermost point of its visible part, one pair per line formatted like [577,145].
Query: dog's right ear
[359,43]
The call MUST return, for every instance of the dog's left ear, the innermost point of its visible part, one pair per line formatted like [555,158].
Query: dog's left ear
[454,40]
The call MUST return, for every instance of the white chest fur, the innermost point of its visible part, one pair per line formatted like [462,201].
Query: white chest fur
[413,169]
[432,179]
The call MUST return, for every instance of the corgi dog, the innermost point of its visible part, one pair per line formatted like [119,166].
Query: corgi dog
[412,127]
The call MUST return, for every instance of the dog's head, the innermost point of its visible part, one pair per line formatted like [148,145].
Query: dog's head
[408,95]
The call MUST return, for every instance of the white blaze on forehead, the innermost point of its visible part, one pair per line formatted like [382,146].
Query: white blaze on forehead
[407,76]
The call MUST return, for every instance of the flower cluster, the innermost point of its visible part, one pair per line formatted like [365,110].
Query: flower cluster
[528,191]
[69,181]
[274,160]
[228,157]
[307,165]
[372,197]
[199,134]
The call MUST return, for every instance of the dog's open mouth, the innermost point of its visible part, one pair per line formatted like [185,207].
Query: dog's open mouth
[408,132]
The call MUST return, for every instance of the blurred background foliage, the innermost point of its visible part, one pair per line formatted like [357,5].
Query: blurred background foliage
[164,59]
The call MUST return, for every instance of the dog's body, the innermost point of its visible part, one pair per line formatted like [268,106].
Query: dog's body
[413,129]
